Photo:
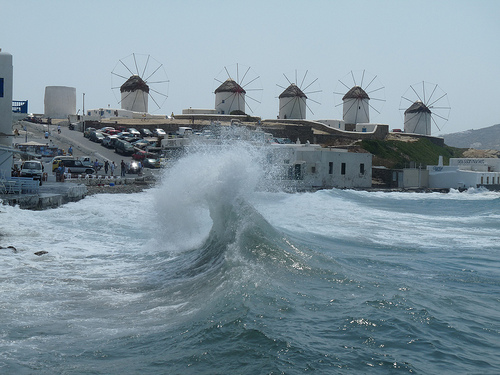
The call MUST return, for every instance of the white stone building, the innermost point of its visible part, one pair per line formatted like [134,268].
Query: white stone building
[229,97]
[463,173]
[135,94]
[356,106]
[306,166]
[417,119]
[292,103]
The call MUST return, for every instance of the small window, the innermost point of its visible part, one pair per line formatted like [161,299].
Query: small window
[297,172]
[487,180]
[342,168]
[330,167]
[313,169]
[1,87]
[361,168]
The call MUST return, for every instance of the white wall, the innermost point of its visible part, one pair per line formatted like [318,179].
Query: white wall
[99,113]
[6,81]
[136,101]
[418,123]
[198,111]
[476,164]
[364,127]
[356,110]
[336,124]
[415,178]
[226,102]
[292,108]
[322,167]
[451,177]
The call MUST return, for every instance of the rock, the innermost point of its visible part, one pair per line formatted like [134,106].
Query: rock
[9,247]
[40,253]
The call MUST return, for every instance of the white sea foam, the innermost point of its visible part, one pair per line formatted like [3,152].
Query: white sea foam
[201,182]
[390,219]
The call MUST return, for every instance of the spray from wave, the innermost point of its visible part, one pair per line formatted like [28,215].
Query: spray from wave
[198,189]
[204,212]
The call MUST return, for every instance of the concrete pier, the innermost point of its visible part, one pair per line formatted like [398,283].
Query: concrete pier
[51,195]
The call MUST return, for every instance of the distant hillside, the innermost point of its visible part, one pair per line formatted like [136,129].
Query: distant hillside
[400,154]
[483,139]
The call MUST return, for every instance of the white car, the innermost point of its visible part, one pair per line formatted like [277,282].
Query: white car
[32,168]
[159,132]
[134,132]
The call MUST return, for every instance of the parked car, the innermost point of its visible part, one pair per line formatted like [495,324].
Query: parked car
[139,155]
[35,119]
[160,133]
[76,166]
[87,132]
[57,159]
[151,163]
[146,132]
[123,147]
[96,136]
[112,131]
[140,143]
[106,129]
[88,162]
[126,136]
[134,132]
[33,169]
[109,141]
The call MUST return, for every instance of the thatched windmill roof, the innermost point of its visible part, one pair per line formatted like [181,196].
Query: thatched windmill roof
[418,107]
[292,91]
[134,83]
[356,93]
[230,85]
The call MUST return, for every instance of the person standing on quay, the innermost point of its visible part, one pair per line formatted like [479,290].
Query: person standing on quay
[112,166]
[122,166]
[106,167]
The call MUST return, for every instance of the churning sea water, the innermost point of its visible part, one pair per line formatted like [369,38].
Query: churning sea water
[204,275]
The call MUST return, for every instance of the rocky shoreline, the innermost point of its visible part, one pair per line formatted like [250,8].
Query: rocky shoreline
[118,189]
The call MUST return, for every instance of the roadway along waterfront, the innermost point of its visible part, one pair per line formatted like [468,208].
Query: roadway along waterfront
[81,146]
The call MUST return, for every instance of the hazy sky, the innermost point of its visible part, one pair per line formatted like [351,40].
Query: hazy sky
[454,44]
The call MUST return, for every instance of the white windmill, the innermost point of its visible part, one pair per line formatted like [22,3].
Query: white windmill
[293,100]
[232,93]
[145,78]
[356,102]
[429,105]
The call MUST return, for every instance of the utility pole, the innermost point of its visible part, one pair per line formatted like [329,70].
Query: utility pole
[83,114]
